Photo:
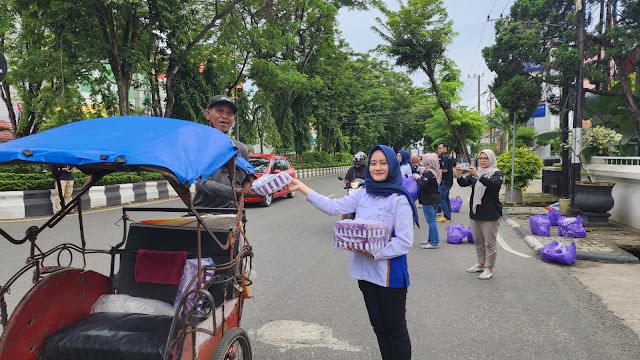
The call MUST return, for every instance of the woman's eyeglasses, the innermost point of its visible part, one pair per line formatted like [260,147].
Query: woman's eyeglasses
[483,158]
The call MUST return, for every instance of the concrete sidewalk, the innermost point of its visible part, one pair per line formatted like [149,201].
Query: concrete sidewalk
[603,267]
[605,244]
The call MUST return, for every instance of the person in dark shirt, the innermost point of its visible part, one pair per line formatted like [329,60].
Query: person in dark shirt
[429,180]
[216,190]
[66,187]
[485,209]
[446,168]
[357,170]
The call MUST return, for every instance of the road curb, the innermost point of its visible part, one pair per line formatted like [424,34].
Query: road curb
[34,203]
[537,246]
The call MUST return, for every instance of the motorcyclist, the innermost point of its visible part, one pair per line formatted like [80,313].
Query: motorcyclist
[357,170]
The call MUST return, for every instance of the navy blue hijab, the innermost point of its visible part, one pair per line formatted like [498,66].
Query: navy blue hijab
[406,157]
[393,183]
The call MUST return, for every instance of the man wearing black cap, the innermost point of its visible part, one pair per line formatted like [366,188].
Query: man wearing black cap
[215,191]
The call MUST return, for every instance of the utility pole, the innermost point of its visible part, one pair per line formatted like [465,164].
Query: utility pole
[577,117]
[477,76]
[490,99]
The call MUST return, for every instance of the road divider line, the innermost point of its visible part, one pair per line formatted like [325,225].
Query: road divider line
[332,195]
[508,248]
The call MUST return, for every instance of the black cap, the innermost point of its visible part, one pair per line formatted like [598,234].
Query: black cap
[222,99]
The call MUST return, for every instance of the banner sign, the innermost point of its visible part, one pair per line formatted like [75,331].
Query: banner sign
[532,67]
[541,110]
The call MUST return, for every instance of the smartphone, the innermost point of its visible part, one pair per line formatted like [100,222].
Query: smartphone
[464,166]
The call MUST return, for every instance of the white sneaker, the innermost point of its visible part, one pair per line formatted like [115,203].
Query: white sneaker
[486,274]
[475,268]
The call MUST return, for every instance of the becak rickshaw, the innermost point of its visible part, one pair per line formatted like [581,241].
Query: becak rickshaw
[151,307]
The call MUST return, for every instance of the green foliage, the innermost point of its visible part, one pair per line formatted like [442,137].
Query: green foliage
[44,181]
[528,167]
[602,140]
[470,125]
[525,136]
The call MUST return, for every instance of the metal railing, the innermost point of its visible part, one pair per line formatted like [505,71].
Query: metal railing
[616,160]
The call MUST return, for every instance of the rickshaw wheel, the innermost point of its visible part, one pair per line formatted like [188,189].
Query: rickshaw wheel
[234,345]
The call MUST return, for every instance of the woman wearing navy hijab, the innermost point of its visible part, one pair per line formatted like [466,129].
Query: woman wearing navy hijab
[383,277]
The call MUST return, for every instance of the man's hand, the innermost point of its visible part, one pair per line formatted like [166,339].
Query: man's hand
[249,193]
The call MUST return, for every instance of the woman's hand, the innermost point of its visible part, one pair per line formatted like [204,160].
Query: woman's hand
[473,171]
[297,185]
[458,171]
[416,176]
[363,252]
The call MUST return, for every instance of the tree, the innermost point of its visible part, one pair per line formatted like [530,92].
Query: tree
[48,64]
[417,36]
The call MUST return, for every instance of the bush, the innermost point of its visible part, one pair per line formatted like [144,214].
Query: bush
[320,157]
[528,167]
[44,181]
[343,158]
[24,169]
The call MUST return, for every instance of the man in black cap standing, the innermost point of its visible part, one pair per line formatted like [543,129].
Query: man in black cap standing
[216,191]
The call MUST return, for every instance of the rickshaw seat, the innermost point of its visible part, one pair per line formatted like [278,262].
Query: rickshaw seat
[110,336]
[168,238]
[107,336]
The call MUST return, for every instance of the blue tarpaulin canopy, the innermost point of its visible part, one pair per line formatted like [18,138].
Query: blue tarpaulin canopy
[189,150]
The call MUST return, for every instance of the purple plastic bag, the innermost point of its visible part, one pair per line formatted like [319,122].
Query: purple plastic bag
[553,216]
[411,185]
[571,227]
[560,253]
[455,233]
[540,225]
[456,204]
[470,235]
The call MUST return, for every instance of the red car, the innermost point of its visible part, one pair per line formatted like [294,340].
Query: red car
[271,164]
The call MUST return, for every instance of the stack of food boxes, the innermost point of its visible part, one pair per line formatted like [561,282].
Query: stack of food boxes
[360,234]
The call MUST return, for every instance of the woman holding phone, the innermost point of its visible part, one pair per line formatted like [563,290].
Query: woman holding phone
[485,209]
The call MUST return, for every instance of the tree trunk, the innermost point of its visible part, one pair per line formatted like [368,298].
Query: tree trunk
[5,94]
[629,99]
[446,107]
[173,68]
[285,111]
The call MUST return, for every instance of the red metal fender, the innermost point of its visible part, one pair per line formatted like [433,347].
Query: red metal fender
[57,301]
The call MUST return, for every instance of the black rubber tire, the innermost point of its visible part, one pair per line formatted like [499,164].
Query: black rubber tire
[267,201]
[234,337]
[291,194]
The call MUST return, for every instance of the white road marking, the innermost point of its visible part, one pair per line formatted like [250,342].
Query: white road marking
[287,334]
[508,248]
[332,195]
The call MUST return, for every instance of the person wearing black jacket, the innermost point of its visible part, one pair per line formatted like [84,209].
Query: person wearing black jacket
[485,209]
[429,179]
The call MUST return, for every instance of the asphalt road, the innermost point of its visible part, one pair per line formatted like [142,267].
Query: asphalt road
[305,306]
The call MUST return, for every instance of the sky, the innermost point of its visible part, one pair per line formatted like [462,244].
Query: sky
[474,33]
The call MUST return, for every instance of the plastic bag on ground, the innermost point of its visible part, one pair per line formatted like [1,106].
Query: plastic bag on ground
[553,216]
[540,225]
[455,233]
[571,227]
[411,185]
[559,252]
[122,303]
[456,204]
[469,235]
